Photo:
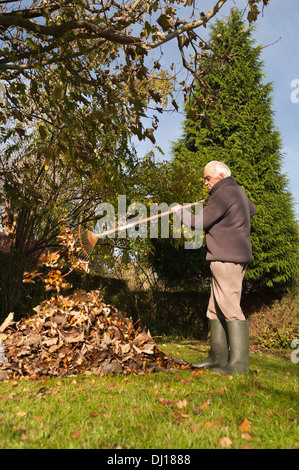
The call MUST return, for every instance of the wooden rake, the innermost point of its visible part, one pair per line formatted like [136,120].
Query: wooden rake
[88,239]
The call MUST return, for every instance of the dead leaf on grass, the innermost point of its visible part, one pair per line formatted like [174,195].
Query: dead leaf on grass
[209,424]
[220,391]
[245,426]
[76,434]
[195,428]
[197,372]
[246,436]
[182,404]
[225,442]
[165,402]
[177,416]
[201,407]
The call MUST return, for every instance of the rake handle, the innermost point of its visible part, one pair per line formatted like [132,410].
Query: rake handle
[147,219]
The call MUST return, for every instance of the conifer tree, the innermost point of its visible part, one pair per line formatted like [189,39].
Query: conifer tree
[240,131]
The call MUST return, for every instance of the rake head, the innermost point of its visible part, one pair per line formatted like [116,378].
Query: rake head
[87,240]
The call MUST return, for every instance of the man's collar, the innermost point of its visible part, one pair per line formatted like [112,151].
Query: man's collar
[225,181]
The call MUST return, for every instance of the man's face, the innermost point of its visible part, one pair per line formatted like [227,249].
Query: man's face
[210,177]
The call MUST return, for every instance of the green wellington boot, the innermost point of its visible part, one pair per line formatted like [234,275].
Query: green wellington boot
[238,335]
[218,355]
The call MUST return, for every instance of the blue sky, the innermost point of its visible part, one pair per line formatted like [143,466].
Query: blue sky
[278,29]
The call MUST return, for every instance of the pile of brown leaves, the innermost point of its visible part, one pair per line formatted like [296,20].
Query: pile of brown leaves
[78,333]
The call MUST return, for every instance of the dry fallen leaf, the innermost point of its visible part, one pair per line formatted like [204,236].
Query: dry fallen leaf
[76,434]
[197,372]
[205,405]
[181,404]
[246,436]
[165,402]
[245,426]
[201,407]
[225,442]
[220,391]
[209,424]
[195,428]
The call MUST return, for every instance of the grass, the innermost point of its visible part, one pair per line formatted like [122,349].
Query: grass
[177,410]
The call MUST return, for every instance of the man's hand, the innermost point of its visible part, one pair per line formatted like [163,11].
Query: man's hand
[177,208]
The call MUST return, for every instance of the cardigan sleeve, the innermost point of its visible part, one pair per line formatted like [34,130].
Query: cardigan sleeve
[207,217]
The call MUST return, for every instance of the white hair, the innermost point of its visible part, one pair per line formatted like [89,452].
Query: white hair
[219,167]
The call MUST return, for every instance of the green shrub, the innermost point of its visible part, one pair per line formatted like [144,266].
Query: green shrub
[276,323]
[281,338]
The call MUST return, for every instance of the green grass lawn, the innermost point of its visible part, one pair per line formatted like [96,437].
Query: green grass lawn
[177,410]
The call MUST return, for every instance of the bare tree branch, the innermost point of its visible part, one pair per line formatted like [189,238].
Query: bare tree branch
[188,26]
[89,28]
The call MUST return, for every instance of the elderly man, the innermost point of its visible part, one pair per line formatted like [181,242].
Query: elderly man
[226,222]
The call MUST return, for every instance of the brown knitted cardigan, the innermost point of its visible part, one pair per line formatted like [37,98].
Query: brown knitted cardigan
[226,222]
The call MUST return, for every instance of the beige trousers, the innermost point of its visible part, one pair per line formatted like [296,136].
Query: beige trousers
[226,290]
